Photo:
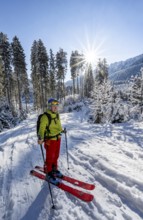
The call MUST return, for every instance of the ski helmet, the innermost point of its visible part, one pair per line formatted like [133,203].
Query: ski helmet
[53,101]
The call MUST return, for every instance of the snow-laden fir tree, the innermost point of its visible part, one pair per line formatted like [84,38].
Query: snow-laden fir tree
[103,101]
[101,70]
[109,105]
[135,95]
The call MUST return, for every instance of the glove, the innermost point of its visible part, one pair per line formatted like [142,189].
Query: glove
[40,141]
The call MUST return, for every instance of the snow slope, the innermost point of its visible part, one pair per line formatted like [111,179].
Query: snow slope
[111,156]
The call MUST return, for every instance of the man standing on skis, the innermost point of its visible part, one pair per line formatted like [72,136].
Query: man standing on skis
[50,133]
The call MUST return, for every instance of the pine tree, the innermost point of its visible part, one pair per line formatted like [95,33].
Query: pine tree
[15,99]
[108,106]
[43,73]
[135,94]
[35,75]
[1,78]
[76,64]
[136,91]
[18,61]
[40,74]
[5,53]
[141,70]
[101,70]
[61,67]
[26,92]
[73,63]
[52,72]
[88,81]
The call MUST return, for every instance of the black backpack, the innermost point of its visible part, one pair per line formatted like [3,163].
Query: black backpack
[49,119]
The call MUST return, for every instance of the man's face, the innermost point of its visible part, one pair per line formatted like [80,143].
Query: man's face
[54,108]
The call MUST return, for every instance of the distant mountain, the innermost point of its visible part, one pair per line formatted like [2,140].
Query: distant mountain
[123,70]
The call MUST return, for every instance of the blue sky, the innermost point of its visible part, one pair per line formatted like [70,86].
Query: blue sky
[113,28]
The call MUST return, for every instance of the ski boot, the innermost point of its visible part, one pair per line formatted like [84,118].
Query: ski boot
[57,173]
[51,178]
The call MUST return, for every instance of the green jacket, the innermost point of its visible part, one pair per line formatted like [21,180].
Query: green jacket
[55,127]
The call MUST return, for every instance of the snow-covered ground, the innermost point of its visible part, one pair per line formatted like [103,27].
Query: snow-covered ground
[111,156]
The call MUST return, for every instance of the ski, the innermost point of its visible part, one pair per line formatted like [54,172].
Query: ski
[86,197]
[73,181]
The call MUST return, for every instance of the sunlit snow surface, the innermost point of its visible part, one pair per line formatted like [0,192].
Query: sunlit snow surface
[111,156]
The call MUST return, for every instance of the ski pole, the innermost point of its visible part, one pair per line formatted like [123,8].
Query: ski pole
[65,131]
[53,206]
[42,152]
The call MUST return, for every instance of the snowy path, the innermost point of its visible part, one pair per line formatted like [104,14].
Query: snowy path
[111,156]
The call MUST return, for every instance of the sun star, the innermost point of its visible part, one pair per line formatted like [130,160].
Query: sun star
[90,57]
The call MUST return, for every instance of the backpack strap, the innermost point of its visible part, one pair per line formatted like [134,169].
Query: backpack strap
[50,119]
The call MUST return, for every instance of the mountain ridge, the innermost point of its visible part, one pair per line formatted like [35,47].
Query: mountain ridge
[124,70]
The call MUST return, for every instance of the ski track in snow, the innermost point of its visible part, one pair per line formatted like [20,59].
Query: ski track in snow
[111,156]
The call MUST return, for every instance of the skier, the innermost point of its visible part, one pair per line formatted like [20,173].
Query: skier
[50,133]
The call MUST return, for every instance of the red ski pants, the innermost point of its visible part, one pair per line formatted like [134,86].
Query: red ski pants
[52,154]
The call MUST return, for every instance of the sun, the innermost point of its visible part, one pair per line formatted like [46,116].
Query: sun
[90,56]
[92,47]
